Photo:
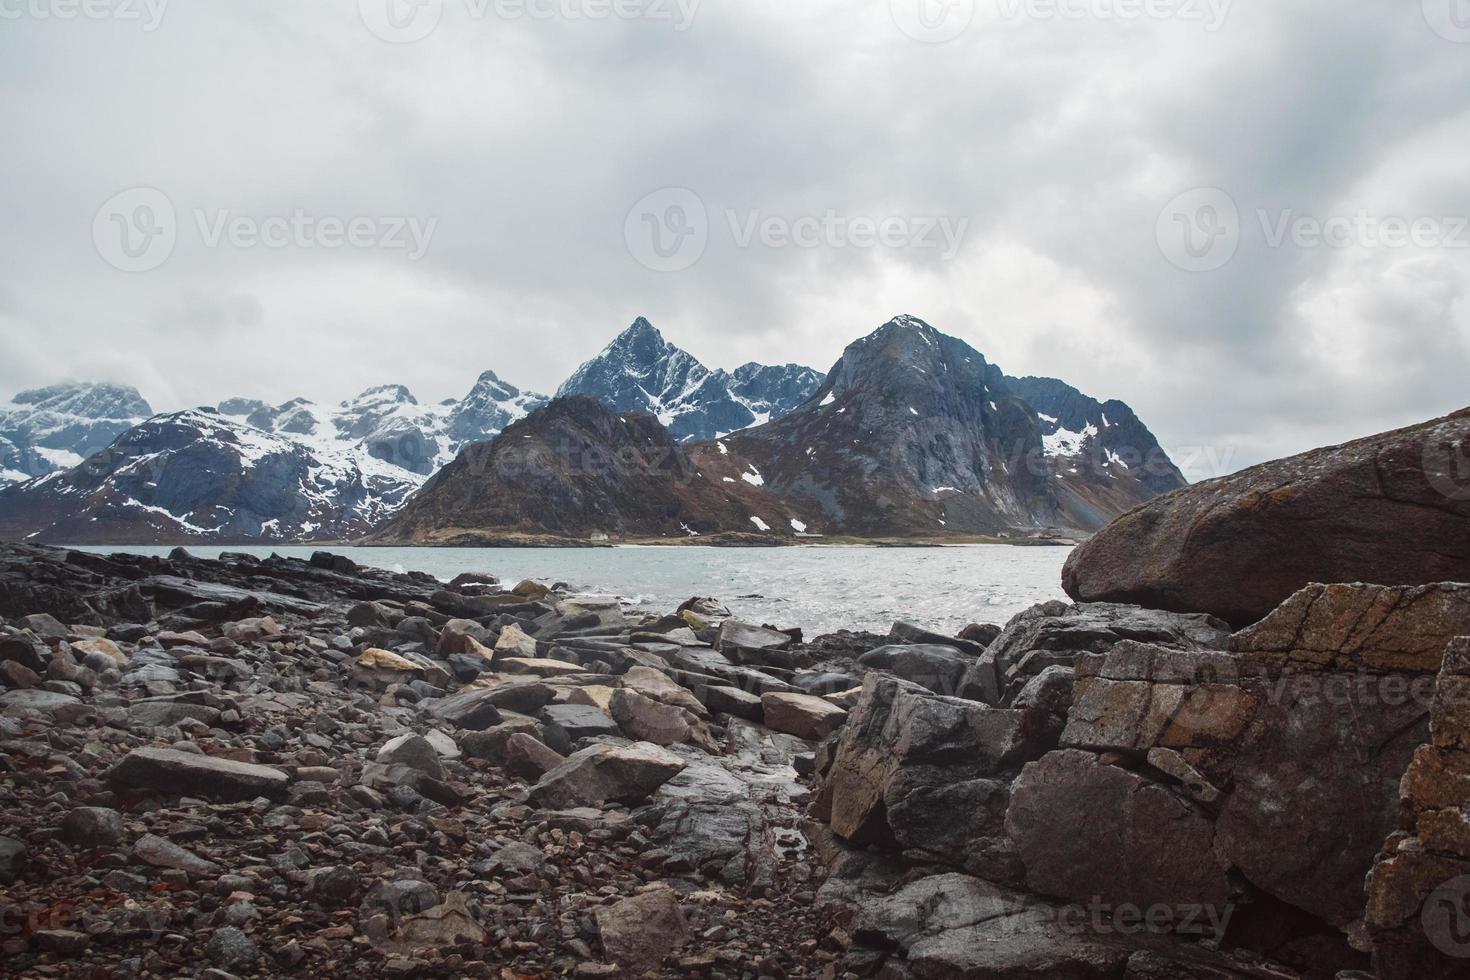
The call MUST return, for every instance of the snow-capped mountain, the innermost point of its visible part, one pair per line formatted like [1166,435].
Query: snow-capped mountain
[640,371]
[250,471]
[199,475]
[55,428]
[387,423]
[915,432]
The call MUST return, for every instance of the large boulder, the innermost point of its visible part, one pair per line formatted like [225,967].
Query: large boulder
[1055,634]
[1392,509]
[940,668]
[1419,887]
[898,726]
[638,932]
[953,925]
[1087,831]
[1295,738]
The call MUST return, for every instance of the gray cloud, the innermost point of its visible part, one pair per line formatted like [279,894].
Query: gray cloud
[1059,141]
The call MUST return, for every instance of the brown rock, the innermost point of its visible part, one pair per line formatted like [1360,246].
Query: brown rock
[639,932]
[1359,627]
[648,720]
[801,715]
[529,758]
[1089,831]
[1392,509]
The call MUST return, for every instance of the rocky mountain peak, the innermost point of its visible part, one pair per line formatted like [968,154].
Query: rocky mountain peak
[915,429]
[382,395]
[641,371]
[46,429]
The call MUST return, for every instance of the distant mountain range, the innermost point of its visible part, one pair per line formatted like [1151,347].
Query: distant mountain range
[912,433]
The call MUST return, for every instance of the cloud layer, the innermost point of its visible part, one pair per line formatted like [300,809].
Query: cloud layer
[826,155]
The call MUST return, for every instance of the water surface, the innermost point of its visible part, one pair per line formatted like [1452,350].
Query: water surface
[820,589]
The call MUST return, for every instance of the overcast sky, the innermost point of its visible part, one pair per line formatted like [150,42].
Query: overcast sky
[1020,177]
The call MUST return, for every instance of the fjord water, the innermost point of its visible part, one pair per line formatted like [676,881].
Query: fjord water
[820,589]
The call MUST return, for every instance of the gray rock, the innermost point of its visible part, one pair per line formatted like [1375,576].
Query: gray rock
[91,826]
[177,773]
[163,713]
[606,774]
[566,723]
[473,709]
[413,751]
[163,853]
[938,668]
[12,857]
[230,948]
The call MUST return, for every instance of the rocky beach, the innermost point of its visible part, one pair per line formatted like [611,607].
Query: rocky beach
[274,767]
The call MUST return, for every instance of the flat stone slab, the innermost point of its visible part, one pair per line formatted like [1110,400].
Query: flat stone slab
[186,774]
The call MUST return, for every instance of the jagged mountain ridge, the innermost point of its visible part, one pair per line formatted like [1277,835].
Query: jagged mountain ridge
[250,471]
[640,371]
[198,475]
[915,432]
[390,425]
[47,429]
